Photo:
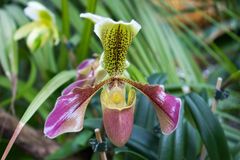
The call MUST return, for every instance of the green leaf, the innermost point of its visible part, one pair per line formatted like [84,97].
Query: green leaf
[32,75]
[184,143]
[136,74]
[210,130]
[92,123]
[125,153]
[46,91]
[41,97]
[235,77]
[192,142]
[73,146]
[82,49]
[144,142]
[8,52]
[18,14]
[23,89]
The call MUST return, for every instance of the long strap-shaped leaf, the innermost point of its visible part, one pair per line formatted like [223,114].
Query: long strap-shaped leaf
[41,97]
[209,128]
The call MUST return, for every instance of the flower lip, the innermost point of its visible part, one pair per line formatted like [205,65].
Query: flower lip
[117,115]
[118,124]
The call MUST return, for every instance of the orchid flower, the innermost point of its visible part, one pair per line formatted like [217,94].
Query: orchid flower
[118,114]
[42,29]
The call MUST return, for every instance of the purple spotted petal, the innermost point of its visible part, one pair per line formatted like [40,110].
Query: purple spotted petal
[69,110]
[167,106]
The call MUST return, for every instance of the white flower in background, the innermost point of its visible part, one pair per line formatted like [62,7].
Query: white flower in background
[42,29]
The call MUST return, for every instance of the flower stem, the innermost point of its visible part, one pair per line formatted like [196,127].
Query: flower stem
[99,139]
[14,91]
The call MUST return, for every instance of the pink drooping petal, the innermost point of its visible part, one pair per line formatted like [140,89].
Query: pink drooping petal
[67,116]
[166,105]
[168,112]
[69,110]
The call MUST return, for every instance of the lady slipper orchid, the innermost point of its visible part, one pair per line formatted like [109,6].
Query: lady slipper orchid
[41,29]
[118,114]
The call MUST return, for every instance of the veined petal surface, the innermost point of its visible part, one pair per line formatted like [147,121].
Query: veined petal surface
[69,110]
[116,38]
[167,106]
